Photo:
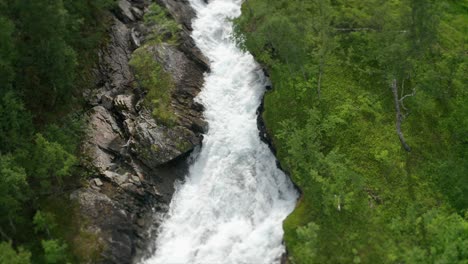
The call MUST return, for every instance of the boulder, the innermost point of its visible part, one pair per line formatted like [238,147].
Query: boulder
[155,144]
[188,78]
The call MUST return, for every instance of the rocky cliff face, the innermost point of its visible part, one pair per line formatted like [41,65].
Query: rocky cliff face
[135,158]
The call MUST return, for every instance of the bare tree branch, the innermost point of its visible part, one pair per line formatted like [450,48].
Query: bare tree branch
[403,97]
[399,116]
[408,95]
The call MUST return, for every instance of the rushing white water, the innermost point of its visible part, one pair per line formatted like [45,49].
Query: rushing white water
[234,199]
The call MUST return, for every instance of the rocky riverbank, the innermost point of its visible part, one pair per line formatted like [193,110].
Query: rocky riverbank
[134,158]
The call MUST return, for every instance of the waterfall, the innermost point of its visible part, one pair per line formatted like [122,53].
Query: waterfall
[232,203]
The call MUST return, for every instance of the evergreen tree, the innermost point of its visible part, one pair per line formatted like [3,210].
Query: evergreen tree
[13,190]
[7,54]
[15,123]
[49,163]
[47,63]
[10,256]
[54,251]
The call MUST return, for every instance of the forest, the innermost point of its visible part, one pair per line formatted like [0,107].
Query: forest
[47,49]
[368,115]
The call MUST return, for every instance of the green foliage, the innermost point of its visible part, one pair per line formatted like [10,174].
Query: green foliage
[60,218]
[68,133]
[158,84]
[149,73]
[365,199]
[447,239]
[54,251]
[43,222]
[10,256]
[7,54]
[88,24]
[307,241]
[15,123]
[163,27]
[13,189]
[47,49]
[47,63]
[49,163]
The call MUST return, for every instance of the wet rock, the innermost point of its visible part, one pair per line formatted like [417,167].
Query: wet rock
[198,107]
[200,126]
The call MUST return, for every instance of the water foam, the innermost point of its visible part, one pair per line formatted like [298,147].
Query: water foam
[234,199]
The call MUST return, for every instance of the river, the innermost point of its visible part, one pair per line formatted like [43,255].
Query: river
[232,203]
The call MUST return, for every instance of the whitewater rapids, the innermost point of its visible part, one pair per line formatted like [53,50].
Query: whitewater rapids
[231,206]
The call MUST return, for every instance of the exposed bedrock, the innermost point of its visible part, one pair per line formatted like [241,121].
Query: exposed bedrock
[135,159]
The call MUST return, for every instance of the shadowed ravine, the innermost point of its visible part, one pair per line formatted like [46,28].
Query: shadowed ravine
[231,206]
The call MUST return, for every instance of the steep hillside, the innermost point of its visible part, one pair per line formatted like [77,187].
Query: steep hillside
[368,114]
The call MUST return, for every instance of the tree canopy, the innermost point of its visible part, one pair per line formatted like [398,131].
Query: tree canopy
[356,86]
[47,49]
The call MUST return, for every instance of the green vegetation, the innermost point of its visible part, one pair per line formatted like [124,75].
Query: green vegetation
[163,27]
[341,70]
[9,255]
[157,83]
[369,196]
[149,73]
[54,251]
[46,50]
[47,53]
